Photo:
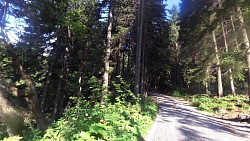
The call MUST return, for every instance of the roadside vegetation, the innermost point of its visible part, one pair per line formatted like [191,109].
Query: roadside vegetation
[213,104]
[124,116]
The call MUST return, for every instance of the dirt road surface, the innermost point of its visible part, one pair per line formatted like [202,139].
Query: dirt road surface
[177,121]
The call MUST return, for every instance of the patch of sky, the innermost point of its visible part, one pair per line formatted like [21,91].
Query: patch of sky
[14,28]
[169,6]
[171,3]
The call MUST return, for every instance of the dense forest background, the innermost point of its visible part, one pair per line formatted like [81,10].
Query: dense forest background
[100,51]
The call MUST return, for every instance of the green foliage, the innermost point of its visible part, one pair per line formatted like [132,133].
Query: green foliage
[6,70]
[176,94]
[121,92]
[13,138]
[95,89]
[3,130]
[235,59]
[174,27]
[207,103]
[110,122]
[120,120]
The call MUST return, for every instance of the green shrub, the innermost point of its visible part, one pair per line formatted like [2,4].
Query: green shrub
[176,94]
[102,122]
[124,117]
[13,138]
[206,103]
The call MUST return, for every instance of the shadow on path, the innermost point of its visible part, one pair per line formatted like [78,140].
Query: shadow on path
[181,122]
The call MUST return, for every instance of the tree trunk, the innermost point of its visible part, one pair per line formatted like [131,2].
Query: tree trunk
[107,52]
[207,81]
[138,49]
[246,41]
[177,71]
[61,82]
[230,69]
[123,64]
[142,88]
[46,87]
[119,59]
[234,34]
[33,102]
[57,100]
[219,79]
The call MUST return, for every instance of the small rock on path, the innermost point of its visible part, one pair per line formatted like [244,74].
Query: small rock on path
[177,121]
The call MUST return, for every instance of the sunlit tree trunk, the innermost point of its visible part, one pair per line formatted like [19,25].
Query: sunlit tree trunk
[219,79]
[107,52]
[207,80]
[234,34]
[247,45]
[230,69]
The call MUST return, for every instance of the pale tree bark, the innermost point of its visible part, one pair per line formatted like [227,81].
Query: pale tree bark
[247,45]
[107,52]
[81,69]
[230,69]
[139,49]
[234,34]
[207,80]
[219,79]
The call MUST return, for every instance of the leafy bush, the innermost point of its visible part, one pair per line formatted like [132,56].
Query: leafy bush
[14,138]
[102,122]
[201,102]
[126,118]
[206,103]
[121,92]
[176,94]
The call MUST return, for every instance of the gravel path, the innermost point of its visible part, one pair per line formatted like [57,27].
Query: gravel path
[177,121]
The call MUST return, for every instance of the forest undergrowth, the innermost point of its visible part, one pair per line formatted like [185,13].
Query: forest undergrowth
[124,116]
[229,106]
